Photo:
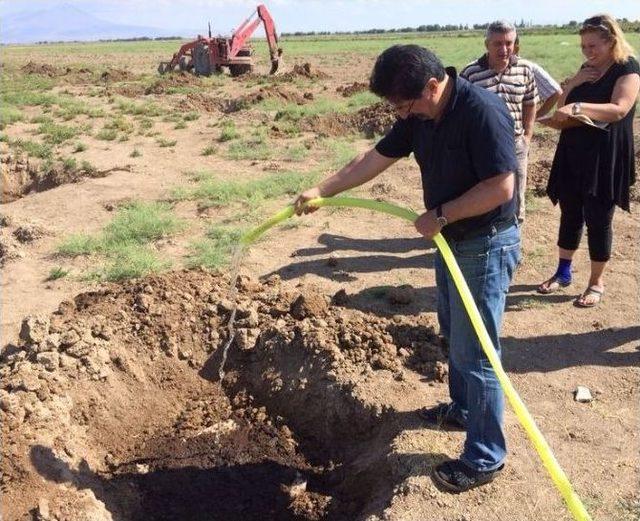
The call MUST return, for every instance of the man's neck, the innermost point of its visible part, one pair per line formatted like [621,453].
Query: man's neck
[447,88]
[497,66]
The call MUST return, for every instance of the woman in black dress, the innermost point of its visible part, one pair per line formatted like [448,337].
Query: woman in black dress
[593,168]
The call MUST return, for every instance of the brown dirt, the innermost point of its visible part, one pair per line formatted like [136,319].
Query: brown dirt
[374,120]
[43,69]
[303,70]
[352,88]
[270,92]
[201,102]
[175,79]
[215,452]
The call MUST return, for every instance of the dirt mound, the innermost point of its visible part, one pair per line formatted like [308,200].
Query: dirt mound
[373,120]
[352,88]
[303,70]
[43,69]
[115,75]
[130,90]
[197,101]
[21,176]
[264,93]
[116,395]
[175,79]
[537,176]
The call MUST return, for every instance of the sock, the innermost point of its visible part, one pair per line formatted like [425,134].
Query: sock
[563,273]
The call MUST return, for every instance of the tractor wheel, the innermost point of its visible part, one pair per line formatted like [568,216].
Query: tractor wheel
[240,69]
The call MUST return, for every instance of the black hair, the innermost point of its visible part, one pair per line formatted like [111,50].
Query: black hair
[402,71]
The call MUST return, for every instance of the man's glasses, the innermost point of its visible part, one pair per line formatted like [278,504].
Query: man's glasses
[405,107]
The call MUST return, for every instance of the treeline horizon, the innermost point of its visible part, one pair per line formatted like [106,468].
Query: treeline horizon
[572,26]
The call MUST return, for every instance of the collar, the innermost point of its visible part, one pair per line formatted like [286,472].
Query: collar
[455,88]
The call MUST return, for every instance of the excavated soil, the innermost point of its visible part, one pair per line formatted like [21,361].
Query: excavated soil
[174,79]
[373,120]
[270,92]
[112,407]
[352,88]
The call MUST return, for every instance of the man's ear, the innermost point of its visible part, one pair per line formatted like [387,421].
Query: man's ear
[432,86]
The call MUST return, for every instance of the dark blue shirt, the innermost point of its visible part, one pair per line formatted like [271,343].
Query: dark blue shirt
[473,141]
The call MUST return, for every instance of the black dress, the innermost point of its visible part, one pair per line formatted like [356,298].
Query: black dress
[600,163]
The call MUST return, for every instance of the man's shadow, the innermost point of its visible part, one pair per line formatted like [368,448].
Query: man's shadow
[345,268]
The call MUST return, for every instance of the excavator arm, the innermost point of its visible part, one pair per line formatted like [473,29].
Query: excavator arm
[246,29]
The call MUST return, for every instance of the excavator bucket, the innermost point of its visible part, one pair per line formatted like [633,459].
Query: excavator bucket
[275,61]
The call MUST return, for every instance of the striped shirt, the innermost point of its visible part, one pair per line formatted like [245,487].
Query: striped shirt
[516,85]
[545,83]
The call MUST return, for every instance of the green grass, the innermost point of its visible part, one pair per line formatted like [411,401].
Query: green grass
[135,223]
[107,134]
[209,150]
[57,134]
[132,261]
[124,242]
[215,251]
[222,192]
[57,273]
[135,153]
[166,142]
[69,164]
[79,244]
[228,131]
[9,114]
[33,149]
[79,147]
[296,152]
[148,108]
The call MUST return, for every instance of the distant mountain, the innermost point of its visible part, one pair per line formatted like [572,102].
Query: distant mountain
[66,22]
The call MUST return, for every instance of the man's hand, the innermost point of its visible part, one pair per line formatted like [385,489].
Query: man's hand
[427,225]
[300,205]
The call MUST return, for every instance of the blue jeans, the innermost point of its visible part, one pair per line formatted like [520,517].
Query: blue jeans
[487,263]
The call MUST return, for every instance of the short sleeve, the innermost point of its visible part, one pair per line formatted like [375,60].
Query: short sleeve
[531,92]
[399,140]
[492,144]
[630,67]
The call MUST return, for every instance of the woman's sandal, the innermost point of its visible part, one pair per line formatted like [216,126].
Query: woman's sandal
[552,285]
[592,291]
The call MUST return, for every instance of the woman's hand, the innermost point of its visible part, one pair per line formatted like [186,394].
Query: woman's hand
[584,75]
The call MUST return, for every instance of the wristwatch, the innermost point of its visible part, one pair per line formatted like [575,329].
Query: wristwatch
[441,219]
[576,108]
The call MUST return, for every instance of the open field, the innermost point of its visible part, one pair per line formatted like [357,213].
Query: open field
[124,195]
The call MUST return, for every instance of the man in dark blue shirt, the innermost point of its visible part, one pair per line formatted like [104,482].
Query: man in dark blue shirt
[462,139]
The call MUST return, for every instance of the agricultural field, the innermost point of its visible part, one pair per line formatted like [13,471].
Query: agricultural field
[125,194]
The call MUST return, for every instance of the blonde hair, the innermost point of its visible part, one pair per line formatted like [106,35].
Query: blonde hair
[610,30]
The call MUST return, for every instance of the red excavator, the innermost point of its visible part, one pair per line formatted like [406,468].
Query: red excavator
[205,56]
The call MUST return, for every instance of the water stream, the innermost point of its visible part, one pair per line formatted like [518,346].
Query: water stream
[234,270]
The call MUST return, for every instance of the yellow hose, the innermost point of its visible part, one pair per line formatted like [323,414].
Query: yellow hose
[558,476]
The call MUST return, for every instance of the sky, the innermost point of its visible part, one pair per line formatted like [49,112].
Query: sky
[332,15]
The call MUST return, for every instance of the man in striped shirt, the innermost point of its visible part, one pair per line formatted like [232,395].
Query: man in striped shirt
[500,71]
